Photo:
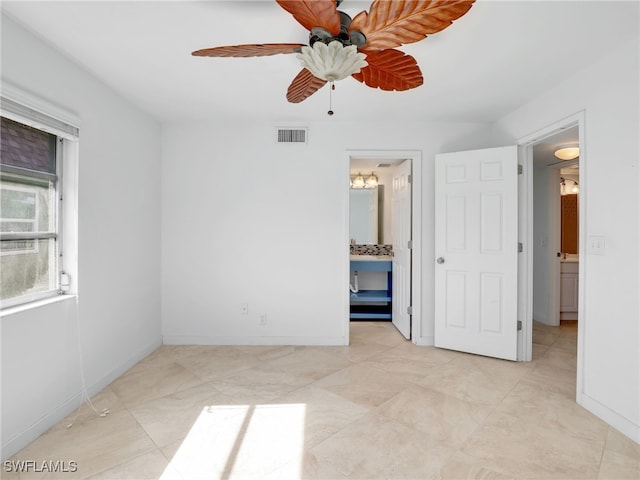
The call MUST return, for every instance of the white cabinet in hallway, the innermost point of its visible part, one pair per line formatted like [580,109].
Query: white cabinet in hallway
[569,290]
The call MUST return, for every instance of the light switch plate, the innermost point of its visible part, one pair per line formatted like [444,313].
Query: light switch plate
[595,244]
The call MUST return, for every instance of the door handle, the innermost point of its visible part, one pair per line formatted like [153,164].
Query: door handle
[440,260]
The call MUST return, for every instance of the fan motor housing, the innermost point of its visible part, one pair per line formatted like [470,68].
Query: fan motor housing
[345,37]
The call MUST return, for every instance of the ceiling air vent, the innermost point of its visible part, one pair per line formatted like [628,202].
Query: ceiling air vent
[292,135]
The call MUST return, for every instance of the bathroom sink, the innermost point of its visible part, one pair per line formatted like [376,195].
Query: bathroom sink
[370,258]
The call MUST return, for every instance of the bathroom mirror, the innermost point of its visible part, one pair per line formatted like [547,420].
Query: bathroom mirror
[363,216]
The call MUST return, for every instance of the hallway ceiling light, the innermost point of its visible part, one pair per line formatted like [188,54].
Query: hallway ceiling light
[567,152]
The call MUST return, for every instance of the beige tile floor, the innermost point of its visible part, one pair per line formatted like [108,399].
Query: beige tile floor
[381,408]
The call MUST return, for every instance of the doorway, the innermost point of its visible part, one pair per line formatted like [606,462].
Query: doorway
[401,281]
[555,247]
[540,280]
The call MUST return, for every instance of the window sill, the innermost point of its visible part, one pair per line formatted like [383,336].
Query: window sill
[36,304]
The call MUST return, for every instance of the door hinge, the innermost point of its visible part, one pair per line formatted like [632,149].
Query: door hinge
[410,310]
[520,169]
[519,325]
[520,247]
[410,178]
[410,244]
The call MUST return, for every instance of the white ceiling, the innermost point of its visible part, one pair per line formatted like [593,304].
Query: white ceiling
[489,62]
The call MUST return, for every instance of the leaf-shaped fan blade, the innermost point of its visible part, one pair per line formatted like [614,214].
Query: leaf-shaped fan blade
[390,70]
[314,13]
[253,50]
[304,85]
[391,23]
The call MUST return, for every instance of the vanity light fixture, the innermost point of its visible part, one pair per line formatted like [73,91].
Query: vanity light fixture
[567,152]
[372,181]
[568,189]
[358,182]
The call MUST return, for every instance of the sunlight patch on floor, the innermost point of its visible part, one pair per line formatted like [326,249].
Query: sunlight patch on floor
[241,441]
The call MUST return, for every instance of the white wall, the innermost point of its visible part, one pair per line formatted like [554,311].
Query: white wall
[119,250]
[245,220]
[608,92]
[543,245]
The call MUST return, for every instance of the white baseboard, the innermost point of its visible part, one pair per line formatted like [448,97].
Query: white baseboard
[59,412]
[18,442]
[617,421]
[107,379]
[233,340]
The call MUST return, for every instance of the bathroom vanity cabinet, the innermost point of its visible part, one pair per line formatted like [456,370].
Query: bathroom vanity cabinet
[569,290]
[371,304]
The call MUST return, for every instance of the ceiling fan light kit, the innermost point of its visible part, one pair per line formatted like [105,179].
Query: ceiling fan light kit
[363,48]
[332,62]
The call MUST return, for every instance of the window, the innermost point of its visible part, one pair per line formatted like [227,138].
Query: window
[31,212]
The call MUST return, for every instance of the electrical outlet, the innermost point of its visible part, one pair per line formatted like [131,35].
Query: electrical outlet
[244,309]
[263,319]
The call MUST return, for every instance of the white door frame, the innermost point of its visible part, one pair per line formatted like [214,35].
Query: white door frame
[416,231]
[525,263]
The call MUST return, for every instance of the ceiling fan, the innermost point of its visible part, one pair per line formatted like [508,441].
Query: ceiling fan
[362,47]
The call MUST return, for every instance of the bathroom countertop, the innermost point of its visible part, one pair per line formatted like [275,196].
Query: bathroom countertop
[571,257]
[370,258]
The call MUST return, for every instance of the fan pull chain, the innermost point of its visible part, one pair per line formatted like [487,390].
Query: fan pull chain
[333,87]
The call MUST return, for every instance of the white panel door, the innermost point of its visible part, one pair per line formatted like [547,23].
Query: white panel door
[401,230]
[476,247]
